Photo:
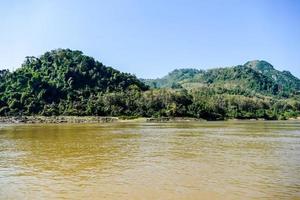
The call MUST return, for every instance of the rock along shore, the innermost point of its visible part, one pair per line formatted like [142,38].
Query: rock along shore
[99,119]
[57,119]
[86,119]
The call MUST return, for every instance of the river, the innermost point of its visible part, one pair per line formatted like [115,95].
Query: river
[182,160]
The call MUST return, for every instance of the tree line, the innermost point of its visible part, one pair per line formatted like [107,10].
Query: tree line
[66,82]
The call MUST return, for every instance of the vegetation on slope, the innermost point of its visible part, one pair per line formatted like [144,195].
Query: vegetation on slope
[287,83]
[66,82]
[254,76]
[173,79]
[59,80]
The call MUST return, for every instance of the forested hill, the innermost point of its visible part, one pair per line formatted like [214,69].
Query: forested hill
[284,79]
[67,82]
[59,76]
[254,76]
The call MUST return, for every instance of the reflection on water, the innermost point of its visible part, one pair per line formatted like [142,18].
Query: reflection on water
[195,160]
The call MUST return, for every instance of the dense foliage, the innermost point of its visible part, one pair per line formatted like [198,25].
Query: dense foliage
[66,82]
[59,78]
[254,76]
[173,78]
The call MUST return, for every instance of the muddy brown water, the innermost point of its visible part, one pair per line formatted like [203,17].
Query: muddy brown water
[186,160]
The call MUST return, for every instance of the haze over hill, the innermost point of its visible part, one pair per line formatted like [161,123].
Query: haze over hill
[67,82]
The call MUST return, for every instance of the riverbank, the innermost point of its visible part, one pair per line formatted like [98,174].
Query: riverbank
[87,119]
[57,119]
[97,119]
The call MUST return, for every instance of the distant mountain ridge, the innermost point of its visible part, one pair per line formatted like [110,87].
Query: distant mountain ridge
[173,78]
[284,78]
[258,76]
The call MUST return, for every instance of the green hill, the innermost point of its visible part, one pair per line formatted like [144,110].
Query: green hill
[59,76]
[253,77]
[173,79]
[66,82]
[286,81]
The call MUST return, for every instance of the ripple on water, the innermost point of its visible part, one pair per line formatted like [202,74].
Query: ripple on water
[211,160]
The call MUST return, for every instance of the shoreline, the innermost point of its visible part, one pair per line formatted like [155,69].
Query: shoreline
[103,119]
[87,119]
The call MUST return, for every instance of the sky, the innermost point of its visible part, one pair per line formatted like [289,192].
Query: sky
[150,38]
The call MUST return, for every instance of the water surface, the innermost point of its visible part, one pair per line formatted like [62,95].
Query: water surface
[187,160]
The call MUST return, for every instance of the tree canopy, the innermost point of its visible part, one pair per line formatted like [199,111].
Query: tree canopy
[67,82]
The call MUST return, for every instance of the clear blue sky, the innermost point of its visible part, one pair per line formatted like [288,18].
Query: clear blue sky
[149,38]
